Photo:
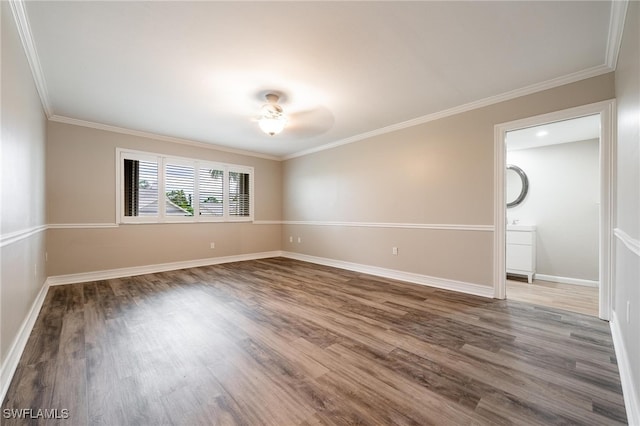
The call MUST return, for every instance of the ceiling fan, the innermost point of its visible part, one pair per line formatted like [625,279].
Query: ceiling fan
[292,119]
[272,118]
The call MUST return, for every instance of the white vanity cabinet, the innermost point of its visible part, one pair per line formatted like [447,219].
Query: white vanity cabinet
[521,250]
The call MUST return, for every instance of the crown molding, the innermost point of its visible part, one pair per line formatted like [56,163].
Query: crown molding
[24,31]
[616,27]
[527,90]
[156,136]
[534,88]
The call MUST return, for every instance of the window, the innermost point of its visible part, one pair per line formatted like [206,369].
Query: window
[239,194]
[179,188]
[211,192]
[156,188]
[140,187]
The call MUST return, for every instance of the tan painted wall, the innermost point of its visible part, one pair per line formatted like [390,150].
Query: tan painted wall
[88,250]
[81,190]
[440,172]
[361,245]
[627,267]
[22,192]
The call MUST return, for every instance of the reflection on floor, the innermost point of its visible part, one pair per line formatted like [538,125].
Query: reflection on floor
[574,298]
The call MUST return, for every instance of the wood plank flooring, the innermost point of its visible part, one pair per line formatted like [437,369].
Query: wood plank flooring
[282,342]
[574,298]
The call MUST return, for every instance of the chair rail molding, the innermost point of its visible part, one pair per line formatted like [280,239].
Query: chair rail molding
[13,237]
[438,226]
[629,242]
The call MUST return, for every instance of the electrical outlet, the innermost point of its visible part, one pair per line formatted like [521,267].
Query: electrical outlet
[290,239]
[299,240]
[628,312]
[394,251]
[213,245]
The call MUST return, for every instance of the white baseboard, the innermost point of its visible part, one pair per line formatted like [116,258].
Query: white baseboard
[443,283]
[567,280]
[629,387]
[151,269]
[463,287]
[8,368]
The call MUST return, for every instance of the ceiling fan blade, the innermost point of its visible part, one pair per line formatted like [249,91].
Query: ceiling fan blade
[310,123]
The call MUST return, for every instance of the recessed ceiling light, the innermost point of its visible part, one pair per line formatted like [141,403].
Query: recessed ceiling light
[542,133]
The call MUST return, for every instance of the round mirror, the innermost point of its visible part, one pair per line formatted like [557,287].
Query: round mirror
[517,185]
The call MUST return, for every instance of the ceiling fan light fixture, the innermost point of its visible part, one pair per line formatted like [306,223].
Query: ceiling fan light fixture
[272,126]
[272,120]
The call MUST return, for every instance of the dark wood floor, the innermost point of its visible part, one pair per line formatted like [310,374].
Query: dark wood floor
[283,342]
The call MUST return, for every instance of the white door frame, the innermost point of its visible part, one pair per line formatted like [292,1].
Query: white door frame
[607,110]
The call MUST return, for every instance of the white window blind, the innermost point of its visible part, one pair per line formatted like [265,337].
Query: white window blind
[140,188]
[239,194]
[158,188]
[179,190]
[211,199]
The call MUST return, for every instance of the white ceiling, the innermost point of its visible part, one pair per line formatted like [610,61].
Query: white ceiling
[197,70]
[577,129]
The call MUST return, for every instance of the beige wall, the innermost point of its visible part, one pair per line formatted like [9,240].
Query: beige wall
[81,190]
[627,267]
[440,172]
[81,166]
[362,244]
[22,192]
[74,251]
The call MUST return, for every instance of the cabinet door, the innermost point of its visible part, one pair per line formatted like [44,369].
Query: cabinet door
[519,237]
[519,257]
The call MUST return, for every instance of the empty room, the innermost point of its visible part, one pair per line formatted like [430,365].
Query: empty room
[320,212]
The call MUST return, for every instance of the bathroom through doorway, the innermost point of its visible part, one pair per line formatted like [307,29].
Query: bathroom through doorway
[553,223]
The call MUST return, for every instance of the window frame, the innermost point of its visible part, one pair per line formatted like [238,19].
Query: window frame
[162,160]
[237,169]
[177,162]
[216,166]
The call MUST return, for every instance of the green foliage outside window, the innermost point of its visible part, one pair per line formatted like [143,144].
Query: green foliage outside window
[179,198]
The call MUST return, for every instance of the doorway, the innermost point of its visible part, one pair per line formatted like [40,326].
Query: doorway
[552,202]
[602,112]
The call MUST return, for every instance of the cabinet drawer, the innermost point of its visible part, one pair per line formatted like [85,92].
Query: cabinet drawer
[519,237]
[520,257]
